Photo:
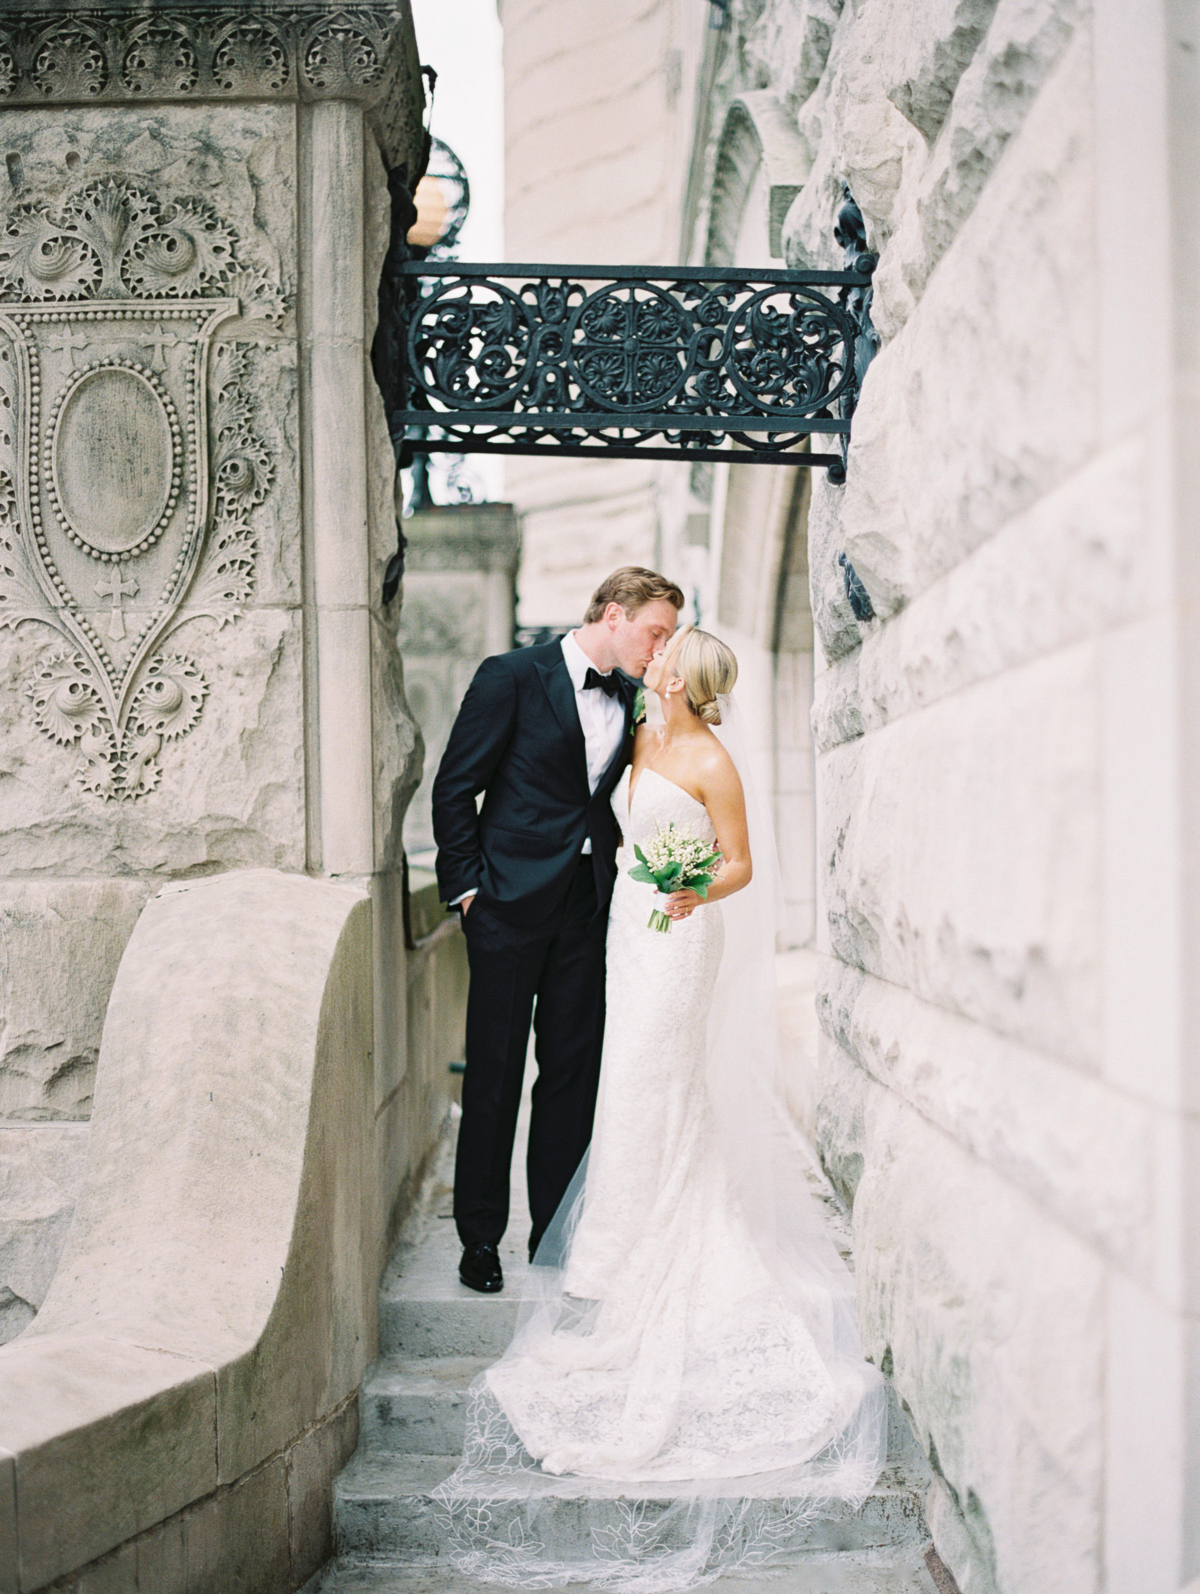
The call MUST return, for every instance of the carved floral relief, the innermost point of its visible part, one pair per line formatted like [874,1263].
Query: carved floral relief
[96,53]
[102,49]
[130,463]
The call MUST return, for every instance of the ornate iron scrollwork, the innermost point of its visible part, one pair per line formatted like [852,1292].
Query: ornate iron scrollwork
[700,363]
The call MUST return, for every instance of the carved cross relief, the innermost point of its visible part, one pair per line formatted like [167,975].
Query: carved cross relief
[116,589]
[129,463]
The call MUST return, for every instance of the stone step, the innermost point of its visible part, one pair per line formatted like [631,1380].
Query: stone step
[425,1311]
[416,1404]
[435,1337]
[382,1509]
[463,1324]
[905,1573]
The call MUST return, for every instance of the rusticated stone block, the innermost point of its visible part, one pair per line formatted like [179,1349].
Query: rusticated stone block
[992,1319]
[41,1166]
[978,890]
[60,944]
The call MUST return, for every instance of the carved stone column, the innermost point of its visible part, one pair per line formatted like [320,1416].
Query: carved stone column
[195,486]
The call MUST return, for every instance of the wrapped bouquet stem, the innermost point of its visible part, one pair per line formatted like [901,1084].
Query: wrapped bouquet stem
[676,860]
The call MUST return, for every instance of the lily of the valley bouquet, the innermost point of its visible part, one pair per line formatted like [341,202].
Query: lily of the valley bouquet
[676,860]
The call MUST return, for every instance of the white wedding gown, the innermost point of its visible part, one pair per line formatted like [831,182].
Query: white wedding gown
[665,1349]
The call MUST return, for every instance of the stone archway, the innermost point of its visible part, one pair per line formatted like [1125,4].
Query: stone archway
[758,575]
[759,562]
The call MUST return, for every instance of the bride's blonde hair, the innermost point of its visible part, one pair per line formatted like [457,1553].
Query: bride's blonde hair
[706,667]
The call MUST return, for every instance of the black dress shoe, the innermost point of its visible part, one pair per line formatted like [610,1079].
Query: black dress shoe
[480,1269]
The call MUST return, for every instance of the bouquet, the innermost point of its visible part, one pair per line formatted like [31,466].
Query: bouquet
[676,860]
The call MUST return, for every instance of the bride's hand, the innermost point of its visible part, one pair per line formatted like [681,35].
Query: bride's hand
[682,904]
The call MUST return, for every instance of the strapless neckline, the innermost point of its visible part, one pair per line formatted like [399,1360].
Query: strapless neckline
[632,790]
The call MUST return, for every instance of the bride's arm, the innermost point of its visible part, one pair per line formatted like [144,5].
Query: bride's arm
[722,793]
[727,809]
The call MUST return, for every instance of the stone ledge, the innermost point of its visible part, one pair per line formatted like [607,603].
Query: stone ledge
[470,537]
[75,1409]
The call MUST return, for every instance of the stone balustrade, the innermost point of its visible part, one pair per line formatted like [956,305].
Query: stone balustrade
[174,1416]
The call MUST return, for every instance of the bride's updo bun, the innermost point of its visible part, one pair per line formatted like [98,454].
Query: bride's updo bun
[707,669]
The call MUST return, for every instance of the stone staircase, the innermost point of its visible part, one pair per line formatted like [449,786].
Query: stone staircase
[435,1336]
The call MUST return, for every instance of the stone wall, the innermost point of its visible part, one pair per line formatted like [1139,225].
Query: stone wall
[459,608]
[219,782]
[975,747]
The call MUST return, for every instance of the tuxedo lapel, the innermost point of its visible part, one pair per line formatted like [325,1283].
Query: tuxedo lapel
[556,682]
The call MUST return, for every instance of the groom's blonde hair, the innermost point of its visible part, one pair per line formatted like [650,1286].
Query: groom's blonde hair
[707,668]
[633,588]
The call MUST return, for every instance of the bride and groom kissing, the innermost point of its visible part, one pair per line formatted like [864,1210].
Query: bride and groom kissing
[545,734]
[687,1317]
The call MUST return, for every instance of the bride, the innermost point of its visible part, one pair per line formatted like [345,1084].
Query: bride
[689,1323]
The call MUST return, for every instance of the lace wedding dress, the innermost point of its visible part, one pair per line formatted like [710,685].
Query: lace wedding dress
[672,1345]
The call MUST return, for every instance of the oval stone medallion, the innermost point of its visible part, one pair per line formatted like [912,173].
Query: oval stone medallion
[113,459]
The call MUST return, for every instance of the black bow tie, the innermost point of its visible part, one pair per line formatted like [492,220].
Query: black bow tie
[607,683]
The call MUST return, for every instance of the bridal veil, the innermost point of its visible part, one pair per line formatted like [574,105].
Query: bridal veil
[662,1532]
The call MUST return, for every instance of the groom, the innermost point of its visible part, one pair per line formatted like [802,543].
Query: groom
[543,733]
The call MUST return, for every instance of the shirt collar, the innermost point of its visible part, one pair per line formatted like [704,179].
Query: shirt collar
[577,661]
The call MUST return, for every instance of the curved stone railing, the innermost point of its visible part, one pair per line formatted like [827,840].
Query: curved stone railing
[186,1392]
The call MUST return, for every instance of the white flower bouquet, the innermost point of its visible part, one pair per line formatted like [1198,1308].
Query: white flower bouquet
[676,860]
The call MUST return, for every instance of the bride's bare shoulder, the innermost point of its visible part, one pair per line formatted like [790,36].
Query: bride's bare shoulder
[715,768]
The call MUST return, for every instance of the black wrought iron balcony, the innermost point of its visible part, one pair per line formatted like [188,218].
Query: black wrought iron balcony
[697,363]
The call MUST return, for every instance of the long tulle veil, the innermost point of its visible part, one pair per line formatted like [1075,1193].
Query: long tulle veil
[500,1506]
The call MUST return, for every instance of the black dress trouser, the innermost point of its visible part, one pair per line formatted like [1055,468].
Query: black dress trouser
[561,964]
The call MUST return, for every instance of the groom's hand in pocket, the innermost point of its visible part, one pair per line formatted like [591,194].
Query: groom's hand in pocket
[466,903]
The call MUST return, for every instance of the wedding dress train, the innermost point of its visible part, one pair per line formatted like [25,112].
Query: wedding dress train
[676,1342]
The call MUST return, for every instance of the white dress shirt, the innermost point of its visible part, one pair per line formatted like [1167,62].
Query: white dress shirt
[601,717]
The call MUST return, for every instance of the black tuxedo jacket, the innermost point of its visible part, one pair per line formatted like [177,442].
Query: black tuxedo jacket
[518,740]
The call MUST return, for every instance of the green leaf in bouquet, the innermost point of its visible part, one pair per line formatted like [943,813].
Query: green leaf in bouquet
[641,873]
[699,884]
